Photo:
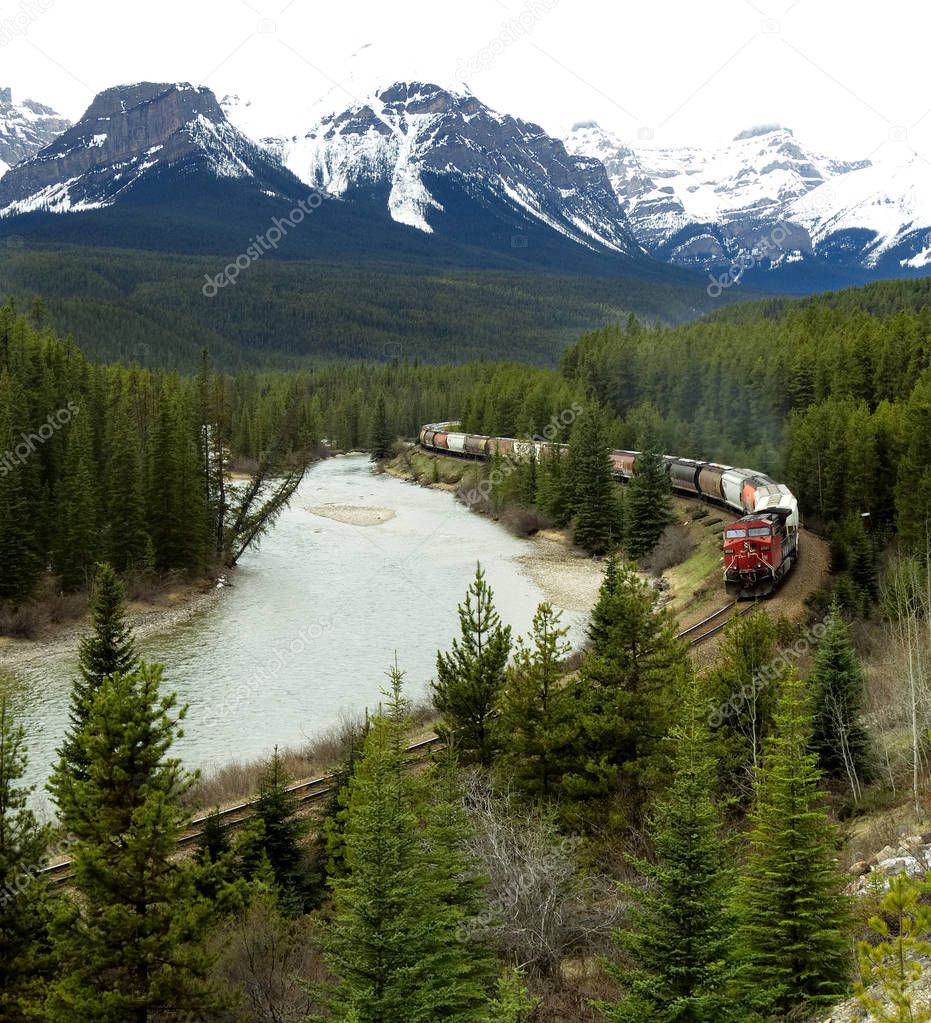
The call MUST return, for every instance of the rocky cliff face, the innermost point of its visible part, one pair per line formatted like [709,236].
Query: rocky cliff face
[130,132]
[25,128]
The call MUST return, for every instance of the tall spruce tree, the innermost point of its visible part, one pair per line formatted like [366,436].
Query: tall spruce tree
[110,648]
[836,684]
[25,963]
[469,678]
[400,945]
[647,505]
[537,712]
[179,523]
[127,542]
[553,498]
[381,440]
[679,942]
[794,920]
[277,838]
[627,691]
[133,946]
[20,558]
[78,539]
[596,527]
[742,691]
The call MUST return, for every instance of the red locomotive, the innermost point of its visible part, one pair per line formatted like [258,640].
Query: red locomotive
[758,551]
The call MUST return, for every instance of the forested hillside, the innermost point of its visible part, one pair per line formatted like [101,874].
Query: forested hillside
[830,395]
[151,308]
[129,464]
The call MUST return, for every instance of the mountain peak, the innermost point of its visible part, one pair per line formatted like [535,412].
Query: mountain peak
[25,128]
[762,129]
[430,151]
[130,132]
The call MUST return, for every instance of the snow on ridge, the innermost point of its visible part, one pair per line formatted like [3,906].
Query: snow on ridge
[891,202]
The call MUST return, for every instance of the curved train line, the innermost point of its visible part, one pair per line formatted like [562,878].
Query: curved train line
[759,549]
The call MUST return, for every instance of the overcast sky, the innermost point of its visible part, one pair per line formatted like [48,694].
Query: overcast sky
[851,78]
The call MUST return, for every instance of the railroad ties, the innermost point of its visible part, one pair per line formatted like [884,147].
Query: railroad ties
[317,789]
[693,634]
[312,791]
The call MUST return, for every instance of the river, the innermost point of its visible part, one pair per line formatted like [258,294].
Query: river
[314,619]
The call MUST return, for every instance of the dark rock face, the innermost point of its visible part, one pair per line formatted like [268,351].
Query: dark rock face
[26,128]
[127,133]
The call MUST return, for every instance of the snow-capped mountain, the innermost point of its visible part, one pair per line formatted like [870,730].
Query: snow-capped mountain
[25,128]
[764,202]
[414,170]
[704,207]
[879,216]
[438,159]
[130,134]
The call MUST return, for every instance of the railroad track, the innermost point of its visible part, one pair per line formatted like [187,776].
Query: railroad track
[311,791]
[317,789]
[693,634]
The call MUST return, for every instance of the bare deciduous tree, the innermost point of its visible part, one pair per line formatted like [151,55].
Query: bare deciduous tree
[542,907]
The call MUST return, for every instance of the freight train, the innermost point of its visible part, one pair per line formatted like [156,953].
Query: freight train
[760,548]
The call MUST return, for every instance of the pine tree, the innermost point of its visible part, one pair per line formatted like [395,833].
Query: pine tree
[626,690]
[108,649]
[25,965]
[471,676]
[647,505]
[132,947]
[742,692]
[536,712]
[382,441]
[913,490]
[596,528]
[178,515]
[679,942]
[128,544]
[20,558]
[892,969]
[78,540]
[794,919]
[213,843]
[512,1003]
[278,837]
[552,497]
[399,944]
[836,684]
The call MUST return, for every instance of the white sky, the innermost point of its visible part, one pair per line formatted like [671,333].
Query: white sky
[849,77]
